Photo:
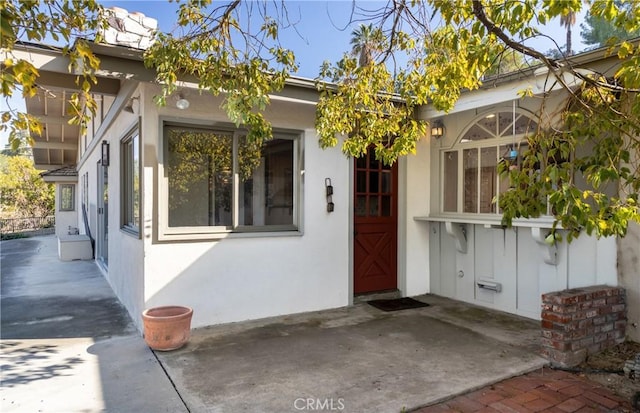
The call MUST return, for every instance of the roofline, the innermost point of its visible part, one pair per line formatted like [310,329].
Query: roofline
[137,55]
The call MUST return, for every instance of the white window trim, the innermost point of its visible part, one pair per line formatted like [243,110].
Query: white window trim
[73,198]
[125,226]
[459,147]
[166,233]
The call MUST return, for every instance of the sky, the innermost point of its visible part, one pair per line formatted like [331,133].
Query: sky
[321,32]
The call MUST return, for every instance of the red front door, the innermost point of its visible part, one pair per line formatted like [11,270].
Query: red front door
[375,224]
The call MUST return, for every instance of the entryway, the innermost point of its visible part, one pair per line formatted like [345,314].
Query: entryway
[375,219]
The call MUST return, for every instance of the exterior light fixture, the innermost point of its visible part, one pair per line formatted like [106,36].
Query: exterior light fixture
[104,159]
[129,107]
[437,129]
[182,102]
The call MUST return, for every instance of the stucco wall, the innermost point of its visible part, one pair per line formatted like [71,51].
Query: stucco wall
[124,271]
[66,219]
[629,277]
[416,195]
[236,279]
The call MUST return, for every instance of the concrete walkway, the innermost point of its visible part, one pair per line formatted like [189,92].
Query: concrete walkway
[356,359]
[67,345]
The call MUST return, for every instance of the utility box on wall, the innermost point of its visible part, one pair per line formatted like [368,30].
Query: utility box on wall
[74,247]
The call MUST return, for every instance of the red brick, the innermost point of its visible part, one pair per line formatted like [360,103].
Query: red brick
[568,300]
[486,397]
[556,318]
[606,327]
[518,407]
[604,310]
[524,398]
[616,316]
[576,334]
[591,313]
[550,395]
[601,400]
[488,409]
[506,406]
[546,324]
[571,405]
[618,308]
[615,299]
[620,325]
[505,391]
[556,385]
[572,391]
[582,324]
[600,302]
[539,404]
[584,305]
[465,404]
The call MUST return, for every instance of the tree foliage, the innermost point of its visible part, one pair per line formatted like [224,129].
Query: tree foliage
[23,192]
[415,53]
[41,21]
[598,31]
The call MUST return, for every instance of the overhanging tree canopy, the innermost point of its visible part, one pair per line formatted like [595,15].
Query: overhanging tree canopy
[428,52]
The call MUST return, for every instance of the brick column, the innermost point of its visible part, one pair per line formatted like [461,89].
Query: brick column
[582,321]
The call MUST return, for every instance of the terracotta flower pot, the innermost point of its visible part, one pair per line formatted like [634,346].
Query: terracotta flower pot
[167,328]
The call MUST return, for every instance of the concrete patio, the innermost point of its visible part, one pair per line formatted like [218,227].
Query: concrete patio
[354,359]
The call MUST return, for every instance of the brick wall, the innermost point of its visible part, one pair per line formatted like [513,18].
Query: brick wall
[582,321]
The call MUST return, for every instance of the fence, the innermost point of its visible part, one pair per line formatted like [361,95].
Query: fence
[28,226]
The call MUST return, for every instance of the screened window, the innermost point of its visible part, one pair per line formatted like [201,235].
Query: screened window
[67,197]
[470,183]
[217,181]
[130,165]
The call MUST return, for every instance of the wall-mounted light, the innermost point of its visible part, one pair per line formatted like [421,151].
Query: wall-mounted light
[104,160]
[129,107]
[182,102]
[328,188]
[437,129]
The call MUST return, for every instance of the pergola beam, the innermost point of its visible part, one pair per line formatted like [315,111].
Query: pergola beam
[55,145]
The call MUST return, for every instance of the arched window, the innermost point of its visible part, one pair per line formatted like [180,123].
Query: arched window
[469,169]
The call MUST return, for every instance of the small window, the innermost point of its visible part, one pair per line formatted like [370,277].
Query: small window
[217,182]
[67,197]
[130,172]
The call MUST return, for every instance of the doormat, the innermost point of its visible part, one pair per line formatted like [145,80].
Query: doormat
[397,304]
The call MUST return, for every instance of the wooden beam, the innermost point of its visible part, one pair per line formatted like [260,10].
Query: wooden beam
[55,145]
[66,81]
[47,167]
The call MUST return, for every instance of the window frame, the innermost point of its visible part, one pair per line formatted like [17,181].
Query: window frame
[459,148]
[167,233]
[127,178]
[61,206]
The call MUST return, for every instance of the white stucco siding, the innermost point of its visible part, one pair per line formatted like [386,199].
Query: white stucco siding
[415,198]
[66,219]
[249,277]
[629,277]
[124,270]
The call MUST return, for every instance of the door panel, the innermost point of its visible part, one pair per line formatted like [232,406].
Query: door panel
[102,236]
[375,224]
